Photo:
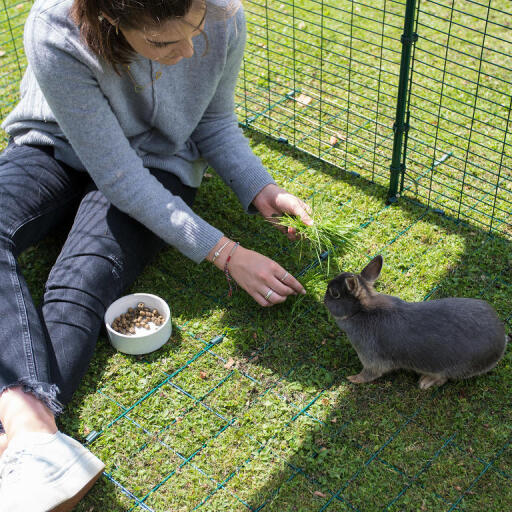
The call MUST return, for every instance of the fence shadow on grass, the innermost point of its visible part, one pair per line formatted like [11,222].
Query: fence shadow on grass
[385,445]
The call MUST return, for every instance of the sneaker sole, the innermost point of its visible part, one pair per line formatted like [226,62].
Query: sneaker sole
[81,470]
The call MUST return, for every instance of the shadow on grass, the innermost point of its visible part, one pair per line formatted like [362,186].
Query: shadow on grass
[385,445]
[313,441]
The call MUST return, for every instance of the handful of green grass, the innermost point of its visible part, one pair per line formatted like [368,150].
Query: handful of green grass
[326,236]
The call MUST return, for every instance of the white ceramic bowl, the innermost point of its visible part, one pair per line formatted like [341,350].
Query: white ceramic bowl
[141,342]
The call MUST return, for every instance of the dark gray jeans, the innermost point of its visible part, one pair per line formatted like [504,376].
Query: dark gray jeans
[47,350]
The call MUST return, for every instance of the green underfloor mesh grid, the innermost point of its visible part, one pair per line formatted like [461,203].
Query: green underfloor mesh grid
[241,411]
[256,418]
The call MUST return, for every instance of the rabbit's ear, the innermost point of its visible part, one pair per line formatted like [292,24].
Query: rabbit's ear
[352,283]
[372,271]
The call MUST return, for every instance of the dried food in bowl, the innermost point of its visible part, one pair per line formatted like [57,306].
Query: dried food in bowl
[143,340]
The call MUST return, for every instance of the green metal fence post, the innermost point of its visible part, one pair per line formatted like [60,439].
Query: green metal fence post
[409,37]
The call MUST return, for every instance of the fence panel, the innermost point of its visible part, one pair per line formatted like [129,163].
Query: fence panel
[323,76]
[459,145]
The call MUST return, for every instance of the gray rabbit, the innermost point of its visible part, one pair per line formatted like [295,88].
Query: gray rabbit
[443,339]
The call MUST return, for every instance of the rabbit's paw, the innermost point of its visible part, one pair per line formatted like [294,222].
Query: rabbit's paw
[356,379]
[365,376]
[427,381]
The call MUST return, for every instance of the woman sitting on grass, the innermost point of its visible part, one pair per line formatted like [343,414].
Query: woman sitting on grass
[121,102]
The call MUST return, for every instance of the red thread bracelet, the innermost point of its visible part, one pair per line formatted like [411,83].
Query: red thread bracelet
[226,271]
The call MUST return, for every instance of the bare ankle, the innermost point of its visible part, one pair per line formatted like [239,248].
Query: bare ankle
[23,412]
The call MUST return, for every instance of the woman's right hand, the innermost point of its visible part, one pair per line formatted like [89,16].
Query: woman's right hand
[257,274]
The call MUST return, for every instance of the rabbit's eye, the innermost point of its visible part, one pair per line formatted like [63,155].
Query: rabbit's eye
[335,294]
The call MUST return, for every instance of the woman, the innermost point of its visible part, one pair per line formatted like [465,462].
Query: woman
[123,104]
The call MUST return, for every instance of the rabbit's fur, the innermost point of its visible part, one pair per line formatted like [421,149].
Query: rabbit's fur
[443,339]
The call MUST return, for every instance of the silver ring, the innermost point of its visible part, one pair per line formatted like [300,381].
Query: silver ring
[269,293]
[286,274]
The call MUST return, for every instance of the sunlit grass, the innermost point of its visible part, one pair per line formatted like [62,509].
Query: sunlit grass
[248,408]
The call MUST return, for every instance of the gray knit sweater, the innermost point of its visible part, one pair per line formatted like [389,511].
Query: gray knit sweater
[73,100]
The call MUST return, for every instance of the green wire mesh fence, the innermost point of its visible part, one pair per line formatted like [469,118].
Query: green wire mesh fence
[323,77]
[12,60]
[421,88]
[459,149]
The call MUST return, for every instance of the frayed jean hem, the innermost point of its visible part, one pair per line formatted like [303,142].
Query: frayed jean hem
[46,393]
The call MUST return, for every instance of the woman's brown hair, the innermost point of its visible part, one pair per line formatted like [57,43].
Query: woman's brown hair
[105,40]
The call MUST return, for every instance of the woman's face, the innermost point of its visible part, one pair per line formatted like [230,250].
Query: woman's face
[170,41]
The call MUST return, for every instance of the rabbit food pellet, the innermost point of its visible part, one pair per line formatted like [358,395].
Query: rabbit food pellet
[138,319]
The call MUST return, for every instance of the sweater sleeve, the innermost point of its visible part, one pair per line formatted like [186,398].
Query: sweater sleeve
[86,119]
[218,136]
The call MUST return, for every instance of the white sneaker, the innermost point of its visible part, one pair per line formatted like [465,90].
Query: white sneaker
[46,473]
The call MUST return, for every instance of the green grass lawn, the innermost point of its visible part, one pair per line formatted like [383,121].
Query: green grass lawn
[248,409]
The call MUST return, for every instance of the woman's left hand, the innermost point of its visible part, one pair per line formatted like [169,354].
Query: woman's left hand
[273,201]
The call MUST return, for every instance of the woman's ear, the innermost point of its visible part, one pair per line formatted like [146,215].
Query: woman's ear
[103,16]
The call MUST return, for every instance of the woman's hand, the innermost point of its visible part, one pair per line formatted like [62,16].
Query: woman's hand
[262,278]
[272,201]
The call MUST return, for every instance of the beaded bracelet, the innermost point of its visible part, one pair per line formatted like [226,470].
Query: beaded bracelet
[226,271]
[217,253]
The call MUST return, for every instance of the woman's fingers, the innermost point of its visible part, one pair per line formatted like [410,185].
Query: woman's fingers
[259,298]
[271,297]
[263,279]
[280,287]
[286,279]
[304,212]
[294,206]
